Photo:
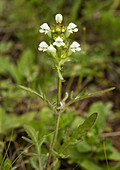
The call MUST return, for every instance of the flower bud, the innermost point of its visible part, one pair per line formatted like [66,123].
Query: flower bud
[63,28]
[58,18]
[53,28]
[58,29]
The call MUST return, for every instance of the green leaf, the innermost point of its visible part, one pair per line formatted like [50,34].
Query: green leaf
[60,75]
[32,133]
[94,94]
[79,95]
[27,139]
[85,127]
[84,97]
[83,147]
[99,108]
[7,67]
[42,141]
[66,96]
[7,164]
[88,165]
[115,155]
[34,163]
[71,95]
[13,168]
[40,90]
[59,154]
[26,63]
[10,121]
[39,95]
[5,47]
[31,91]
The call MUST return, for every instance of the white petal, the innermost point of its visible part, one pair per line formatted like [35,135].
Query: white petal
[43,45]
[75,44]
[41,31]
[62,44]
[45,26]
[40,49]
[58,39]
[70,31]
[73,50]
[51,48]
[44,50]
[46,31]
[58,44]
[78,49]
[75,30]
[71,25]
[54,43]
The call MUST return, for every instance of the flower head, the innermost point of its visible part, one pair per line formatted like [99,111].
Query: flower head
[51,50]
[58,18]
[59,42]
[43,46]
[44,28]
[75,46]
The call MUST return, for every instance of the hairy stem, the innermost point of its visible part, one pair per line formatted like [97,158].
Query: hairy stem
[57,123]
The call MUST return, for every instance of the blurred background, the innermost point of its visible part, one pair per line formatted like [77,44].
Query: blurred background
[22,63]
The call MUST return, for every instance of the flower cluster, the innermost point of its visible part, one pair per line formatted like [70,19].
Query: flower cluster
[59,49]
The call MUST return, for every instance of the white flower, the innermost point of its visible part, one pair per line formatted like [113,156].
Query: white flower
[51,50]
[43,46]
[71,28]
[75,46]
[58,18]
[59,42]
[44,28]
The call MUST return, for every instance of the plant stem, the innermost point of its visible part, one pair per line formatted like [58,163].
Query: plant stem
[40,165]
[39,156]
[57,123]
[59,93]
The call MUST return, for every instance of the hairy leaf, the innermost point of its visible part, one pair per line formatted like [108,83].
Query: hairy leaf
[85,127]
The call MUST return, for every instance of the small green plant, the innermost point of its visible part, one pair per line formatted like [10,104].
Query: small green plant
[60,51]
